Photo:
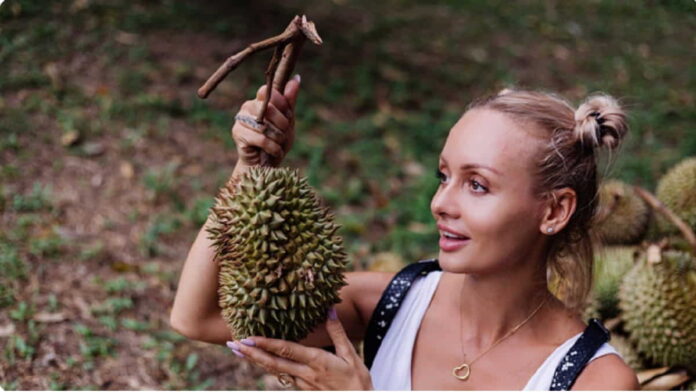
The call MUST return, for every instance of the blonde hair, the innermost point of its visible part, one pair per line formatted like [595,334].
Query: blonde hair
[567,159]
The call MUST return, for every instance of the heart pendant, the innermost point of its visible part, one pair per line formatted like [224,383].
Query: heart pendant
[462,368]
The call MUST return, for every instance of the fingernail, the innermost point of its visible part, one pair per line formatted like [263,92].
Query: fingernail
[332,314]
[298,78]
[237,353]
[233,345]
[247,342]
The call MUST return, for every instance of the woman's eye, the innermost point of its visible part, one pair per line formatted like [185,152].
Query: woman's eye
[477,187]
[440,176]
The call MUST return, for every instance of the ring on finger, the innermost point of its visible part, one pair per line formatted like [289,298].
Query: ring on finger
[286,380]
[249,122]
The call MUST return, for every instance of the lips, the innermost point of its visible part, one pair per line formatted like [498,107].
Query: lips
[451,233]
[451,240]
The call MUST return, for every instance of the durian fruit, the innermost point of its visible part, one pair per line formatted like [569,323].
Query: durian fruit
[677,190]
[281,263]
[658,303]
[611,263]
[624,216]
[628,352]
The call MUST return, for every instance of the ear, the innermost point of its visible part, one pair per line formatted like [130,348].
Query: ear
[559,208]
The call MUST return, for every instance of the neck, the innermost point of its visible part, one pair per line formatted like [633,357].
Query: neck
[494,304]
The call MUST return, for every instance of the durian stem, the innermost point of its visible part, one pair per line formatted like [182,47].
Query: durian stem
[657,205]
[233,61]
[297,31]
[287,48]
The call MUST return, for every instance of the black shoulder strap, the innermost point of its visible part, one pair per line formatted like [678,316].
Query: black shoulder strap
[568,370]
[390,302]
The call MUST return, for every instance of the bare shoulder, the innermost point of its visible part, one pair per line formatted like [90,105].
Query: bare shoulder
[608,372]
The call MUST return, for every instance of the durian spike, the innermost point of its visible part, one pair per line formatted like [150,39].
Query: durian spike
[658,206]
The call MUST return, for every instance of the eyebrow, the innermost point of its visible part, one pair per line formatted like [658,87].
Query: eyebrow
[469,166]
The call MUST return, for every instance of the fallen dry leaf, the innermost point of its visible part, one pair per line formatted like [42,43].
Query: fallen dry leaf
[126,169]
[45,317]
[69,138]
[7,330]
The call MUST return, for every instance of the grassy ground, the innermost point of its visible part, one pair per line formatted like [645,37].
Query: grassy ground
[109,162]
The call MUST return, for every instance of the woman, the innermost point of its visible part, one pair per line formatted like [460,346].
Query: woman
[516,196]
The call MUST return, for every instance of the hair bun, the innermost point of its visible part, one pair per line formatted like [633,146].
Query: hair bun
[600,121]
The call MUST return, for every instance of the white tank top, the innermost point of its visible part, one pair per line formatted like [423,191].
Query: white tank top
[391,369]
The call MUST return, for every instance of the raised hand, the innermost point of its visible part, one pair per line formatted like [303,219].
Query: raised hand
[275,137]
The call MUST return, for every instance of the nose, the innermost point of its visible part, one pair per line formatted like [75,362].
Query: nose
[443,204]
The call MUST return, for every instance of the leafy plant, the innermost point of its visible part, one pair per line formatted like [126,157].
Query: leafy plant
[37,199]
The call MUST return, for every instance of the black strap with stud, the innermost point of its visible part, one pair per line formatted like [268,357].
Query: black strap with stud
[389,304]
[568,370]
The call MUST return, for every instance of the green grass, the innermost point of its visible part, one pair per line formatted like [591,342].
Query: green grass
[159,227]
[37,199]
[93,346]
[14,272]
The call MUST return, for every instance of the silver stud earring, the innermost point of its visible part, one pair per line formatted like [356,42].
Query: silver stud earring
[549,229]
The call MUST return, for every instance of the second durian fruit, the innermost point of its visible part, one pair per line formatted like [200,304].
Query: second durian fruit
[281,262]
[677,189]
[658,304]
[611,263]
[628,352]
[626,215]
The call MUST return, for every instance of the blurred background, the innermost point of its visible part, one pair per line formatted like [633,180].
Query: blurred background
[109,161]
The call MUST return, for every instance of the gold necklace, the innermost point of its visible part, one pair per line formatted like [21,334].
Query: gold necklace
[466,367]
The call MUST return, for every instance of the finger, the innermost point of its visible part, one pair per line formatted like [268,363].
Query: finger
[277,99]
[277,118]
[304,385]
[286,349]
[271,363]
[261,93]
[273,116]
[250,138]
[271,128]
[275,134]
[344,348]
[292,89]
[248,108]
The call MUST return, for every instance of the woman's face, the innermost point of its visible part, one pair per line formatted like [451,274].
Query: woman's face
[487,215]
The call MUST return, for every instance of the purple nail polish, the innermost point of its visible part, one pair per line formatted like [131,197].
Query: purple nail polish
[237,353]
[247,342]
[298,78]
[233,345]
[332,314]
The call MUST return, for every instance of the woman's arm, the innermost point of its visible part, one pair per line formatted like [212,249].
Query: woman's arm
[196,313]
